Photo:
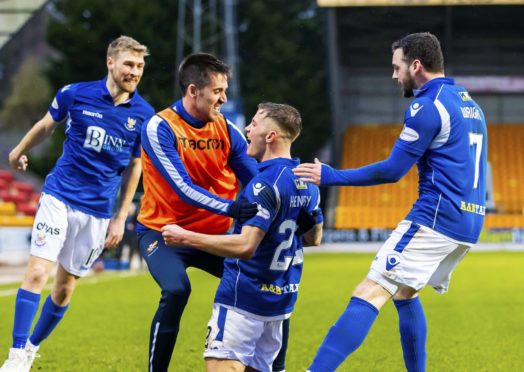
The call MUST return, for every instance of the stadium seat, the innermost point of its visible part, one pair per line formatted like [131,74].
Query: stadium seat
[7,209]
[384,206]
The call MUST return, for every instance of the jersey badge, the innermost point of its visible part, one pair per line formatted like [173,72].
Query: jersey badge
[408,134]
[415,108]
[130,125]
[152,247]
[465,96]
[40,239]
[300,184]
[257,188]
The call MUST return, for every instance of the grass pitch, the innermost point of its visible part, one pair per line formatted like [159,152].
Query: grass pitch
[477,326]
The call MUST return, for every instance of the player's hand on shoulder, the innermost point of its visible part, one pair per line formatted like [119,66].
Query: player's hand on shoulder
[17,161]
[242,210]
[173,235]
[309,172]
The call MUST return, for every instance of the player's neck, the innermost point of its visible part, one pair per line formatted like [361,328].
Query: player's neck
[276,151]
[428,76]
[119,95]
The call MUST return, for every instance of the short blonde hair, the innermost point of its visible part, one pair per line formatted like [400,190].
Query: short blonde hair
[126,43]
[287,118]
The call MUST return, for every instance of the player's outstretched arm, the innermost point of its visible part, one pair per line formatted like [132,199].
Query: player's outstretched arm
[36,135]
[130,178]
[241,245]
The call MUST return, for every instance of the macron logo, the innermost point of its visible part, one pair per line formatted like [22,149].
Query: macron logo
[93,114]
[415,108]
[391,262]
[257,187]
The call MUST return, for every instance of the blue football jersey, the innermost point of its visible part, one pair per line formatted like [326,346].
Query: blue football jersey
[266,286]
[447,129]
[100,140]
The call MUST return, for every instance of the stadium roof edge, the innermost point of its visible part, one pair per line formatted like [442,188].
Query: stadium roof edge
[371,3]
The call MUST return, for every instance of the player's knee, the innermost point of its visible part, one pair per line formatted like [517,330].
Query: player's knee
[62,293]
[177,293]
[405,293]
[36,278]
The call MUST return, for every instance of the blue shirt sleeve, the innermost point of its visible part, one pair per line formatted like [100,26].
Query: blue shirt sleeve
[422,123]
[159,142]
[64,98]
[390,170]
[267,204]
[244,166]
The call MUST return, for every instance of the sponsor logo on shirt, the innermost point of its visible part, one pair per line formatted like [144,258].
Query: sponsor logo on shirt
[408,134]
[98,140]
[275,289]
[202,144]
[257,187]
[472,208]
[415,108]
[465,96]
[471,113]
[300,184]
[44,227]
[131,124]
[93,114]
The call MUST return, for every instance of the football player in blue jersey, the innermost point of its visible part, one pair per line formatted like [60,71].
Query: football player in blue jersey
[75,219]
[445,135]
[261,276]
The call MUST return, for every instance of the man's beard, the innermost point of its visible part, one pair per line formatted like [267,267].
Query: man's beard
[407,88]
[122,85]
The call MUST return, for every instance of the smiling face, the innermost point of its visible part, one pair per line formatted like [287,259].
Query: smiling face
[126,69]
[209,99]
[402,73]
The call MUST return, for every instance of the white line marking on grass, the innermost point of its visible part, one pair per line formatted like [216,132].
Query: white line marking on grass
[88,280]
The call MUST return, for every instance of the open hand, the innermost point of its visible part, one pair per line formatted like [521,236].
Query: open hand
[309,172]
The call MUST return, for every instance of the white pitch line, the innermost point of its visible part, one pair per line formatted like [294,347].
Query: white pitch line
[88,280]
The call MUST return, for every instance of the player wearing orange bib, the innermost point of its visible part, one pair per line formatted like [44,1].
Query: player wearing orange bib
[193,160]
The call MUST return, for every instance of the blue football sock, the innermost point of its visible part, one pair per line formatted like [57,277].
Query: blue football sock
[413,332]
[345,336]
[26,305]
[49,318]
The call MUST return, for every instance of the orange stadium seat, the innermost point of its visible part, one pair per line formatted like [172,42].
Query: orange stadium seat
[384,206]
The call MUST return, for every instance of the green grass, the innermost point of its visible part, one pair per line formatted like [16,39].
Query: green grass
[477,326]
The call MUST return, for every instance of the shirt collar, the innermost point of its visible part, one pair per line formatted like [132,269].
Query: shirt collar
[108,97]
[432,84]
[180,110]
[291,163]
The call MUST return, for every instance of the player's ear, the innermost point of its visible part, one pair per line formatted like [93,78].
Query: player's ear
[192,90]
[271,136]
[110,62]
